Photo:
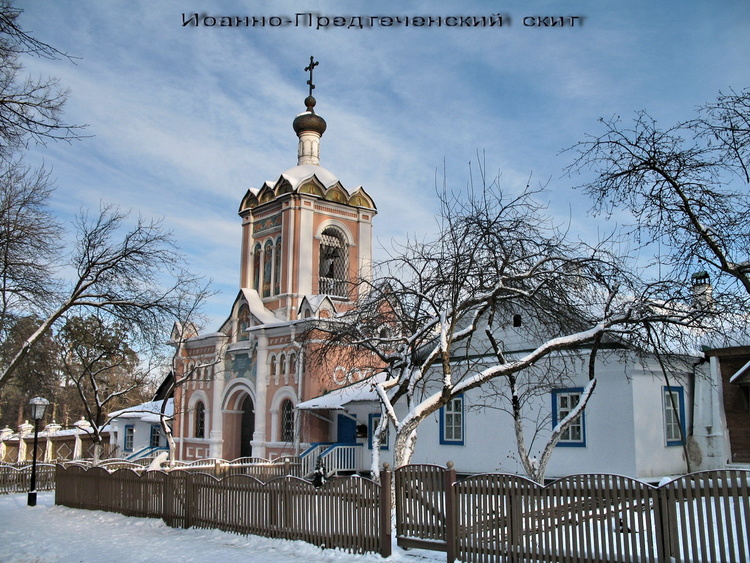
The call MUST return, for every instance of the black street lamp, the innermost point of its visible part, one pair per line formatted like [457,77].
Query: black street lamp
[37,406]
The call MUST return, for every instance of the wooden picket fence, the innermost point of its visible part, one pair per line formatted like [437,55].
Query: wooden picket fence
[588,518]
[352,514]
[258,467]
[16,477]
[481,518]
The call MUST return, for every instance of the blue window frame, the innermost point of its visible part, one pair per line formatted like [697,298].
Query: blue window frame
[155,439]
[372,423]
[674,415]
[564,401]
[129,436]
[452,422]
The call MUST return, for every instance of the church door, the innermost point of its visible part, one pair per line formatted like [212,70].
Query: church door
[248,427]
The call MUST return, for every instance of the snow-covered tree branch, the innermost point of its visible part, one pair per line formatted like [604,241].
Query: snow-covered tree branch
[434,317]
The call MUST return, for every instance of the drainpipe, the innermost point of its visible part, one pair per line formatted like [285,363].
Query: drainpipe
[693,377]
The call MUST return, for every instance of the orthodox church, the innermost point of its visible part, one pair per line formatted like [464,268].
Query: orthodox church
[306,240]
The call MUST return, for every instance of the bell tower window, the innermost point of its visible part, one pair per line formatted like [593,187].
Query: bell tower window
[333,263]
[267,268]
[277,267]
[257,255]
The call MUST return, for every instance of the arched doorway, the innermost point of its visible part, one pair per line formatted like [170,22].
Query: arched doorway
[248,427]
[238,409]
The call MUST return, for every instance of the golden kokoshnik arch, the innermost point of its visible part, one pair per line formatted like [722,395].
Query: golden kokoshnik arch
[313,186]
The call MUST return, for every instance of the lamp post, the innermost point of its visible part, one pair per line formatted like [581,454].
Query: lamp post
[37,406]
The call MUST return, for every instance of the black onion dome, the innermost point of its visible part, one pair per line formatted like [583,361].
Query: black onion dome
[309,121]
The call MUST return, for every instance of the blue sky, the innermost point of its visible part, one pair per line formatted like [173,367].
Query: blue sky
[184,119]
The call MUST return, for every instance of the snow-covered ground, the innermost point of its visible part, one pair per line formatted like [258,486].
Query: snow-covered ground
[55,533]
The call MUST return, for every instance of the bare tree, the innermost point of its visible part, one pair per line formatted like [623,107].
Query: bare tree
[685,187]
[98,360]
[433,316]
[29,108]
[135,275]
[726,122]
[29,243]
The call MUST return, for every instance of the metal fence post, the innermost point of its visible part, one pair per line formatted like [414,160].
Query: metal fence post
[451,513]
[386,511]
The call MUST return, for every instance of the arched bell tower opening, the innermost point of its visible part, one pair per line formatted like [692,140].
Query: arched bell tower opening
[334,263]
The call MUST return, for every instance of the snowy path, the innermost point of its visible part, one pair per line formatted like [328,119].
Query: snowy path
[46,533]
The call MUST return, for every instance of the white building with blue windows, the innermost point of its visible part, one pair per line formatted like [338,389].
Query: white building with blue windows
[647,417]
[136,431]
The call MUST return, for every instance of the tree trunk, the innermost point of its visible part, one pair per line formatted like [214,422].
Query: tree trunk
[97,450]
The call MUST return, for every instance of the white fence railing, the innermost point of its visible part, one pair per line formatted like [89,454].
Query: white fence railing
[333,458]
[309,458]
[342,458]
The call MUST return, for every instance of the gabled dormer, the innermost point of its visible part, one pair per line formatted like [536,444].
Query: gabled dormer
[316,307]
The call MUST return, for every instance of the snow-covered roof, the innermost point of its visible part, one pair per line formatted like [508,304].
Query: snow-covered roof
[47,432]
[315,302]
[743,372]
[359,392]
[147,412]
[299,174]
[257,308]
[206,336]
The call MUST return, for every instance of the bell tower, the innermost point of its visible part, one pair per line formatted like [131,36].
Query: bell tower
[305,234]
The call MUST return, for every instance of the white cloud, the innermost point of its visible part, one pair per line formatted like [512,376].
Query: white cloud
[186,119]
